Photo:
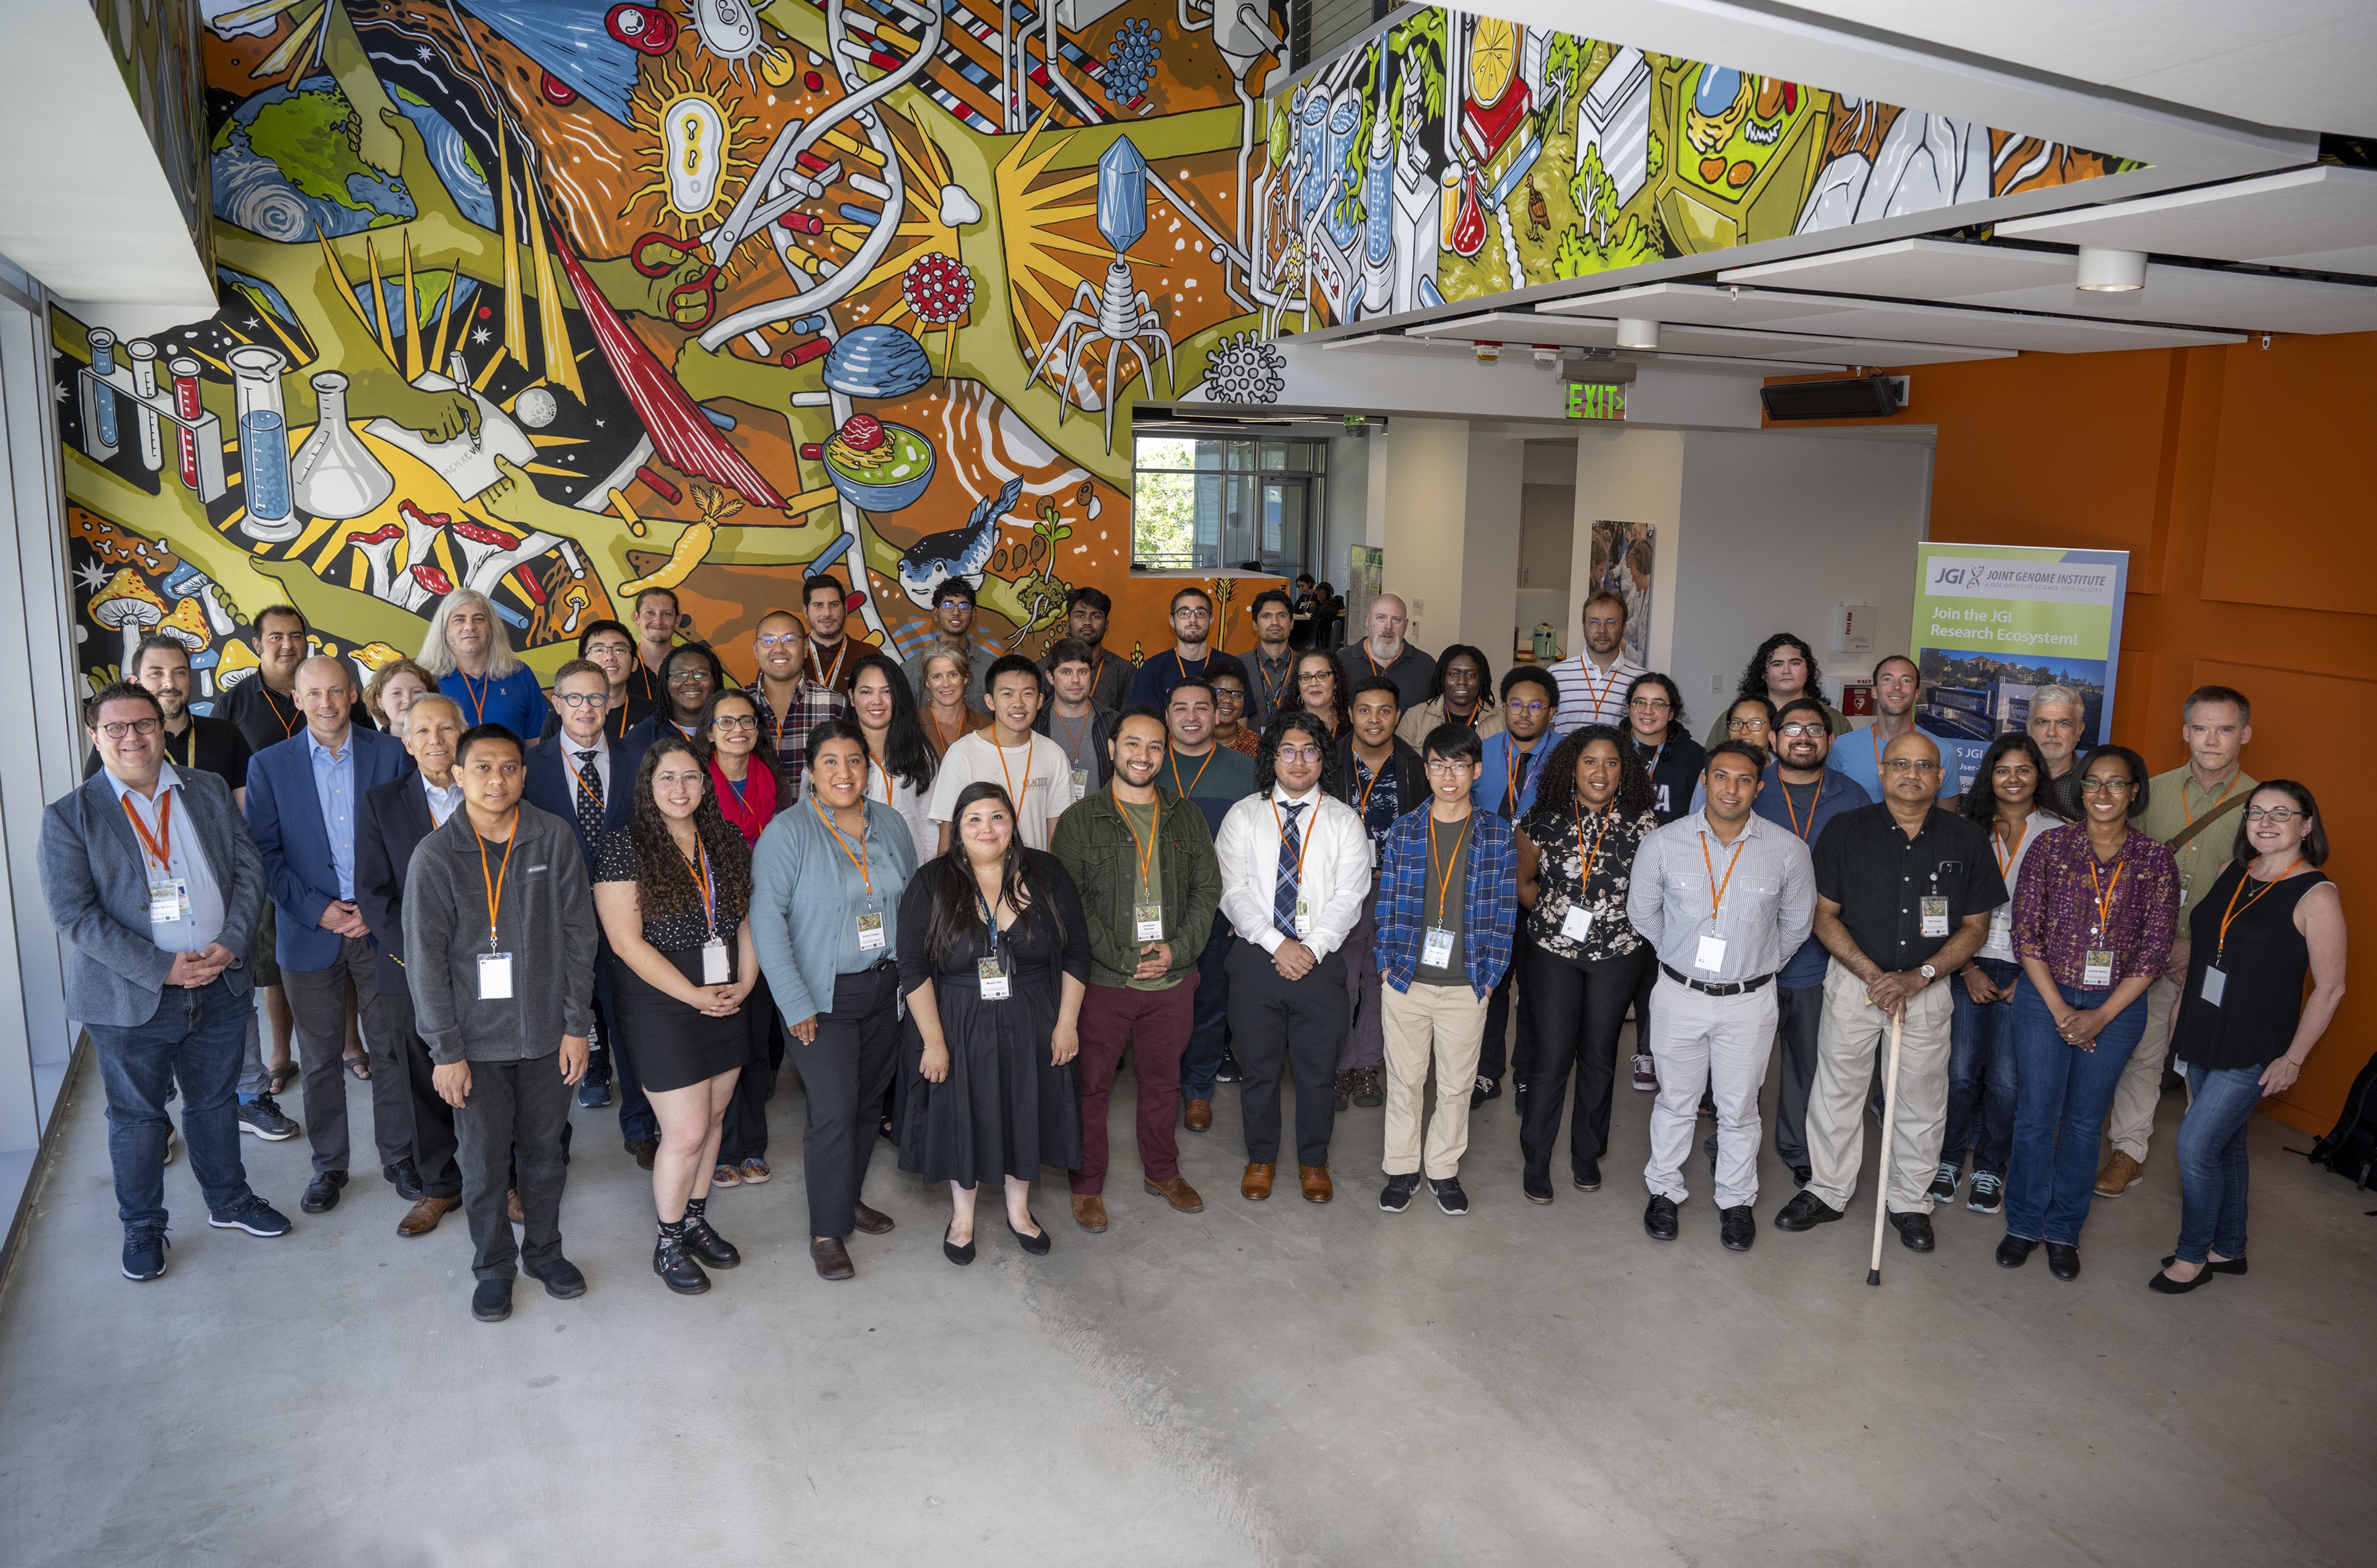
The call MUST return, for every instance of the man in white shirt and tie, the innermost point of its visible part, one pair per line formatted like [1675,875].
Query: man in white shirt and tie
[1296,870]
[1593,684]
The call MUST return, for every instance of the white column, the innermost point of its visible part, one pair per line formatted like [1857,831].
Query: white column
[1631,476]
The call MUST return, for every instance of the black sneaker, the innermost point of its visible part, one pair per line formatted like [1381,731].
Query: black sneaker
[261,1116]
[593,1096]
[1486,1089]
[144,1251]
[1229,1072]
[252,1214]
[1448,1195]
[1944,1183]
[491,1301]
[562,1279]
[1987,1194]
[1396,1195]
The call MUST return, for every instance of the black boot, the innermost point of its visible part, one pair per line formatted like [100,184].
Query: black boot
[702,1242]
[675,1266]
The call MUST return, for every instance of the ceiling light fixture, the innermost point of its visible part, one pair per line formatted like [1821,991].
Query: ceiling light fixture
[2106,271]
[1487,352]
[1635,333]
[1547,355]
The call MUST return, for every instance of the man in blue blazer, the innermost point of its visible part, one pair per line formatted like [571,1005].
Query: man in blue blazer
[304,795]
[586,776]
[158,907]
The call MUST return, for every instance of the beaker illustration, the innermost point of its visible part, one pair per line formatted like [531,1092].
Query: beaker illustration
[263,442]
[335,475]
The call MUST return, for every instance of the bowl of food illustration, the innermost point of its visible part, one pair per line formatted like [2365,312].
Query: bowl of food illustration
[875,465]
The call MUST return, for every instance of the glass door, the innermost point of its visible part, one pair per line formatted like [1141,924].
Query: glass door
[1285,513]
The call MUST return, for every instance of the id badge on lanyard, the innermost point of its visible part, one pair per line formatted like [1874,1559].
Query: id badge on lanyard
[2216,985]
[1935,916]
[713,962]
[169,899]
[2096,970]
[871,931]
[495,977]
[1435,948]
[1147,919]
[1577,924]
[992,974]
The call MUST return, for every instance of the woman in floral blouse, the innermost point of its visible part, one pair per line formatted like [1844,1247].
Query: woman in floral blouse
[1585,960]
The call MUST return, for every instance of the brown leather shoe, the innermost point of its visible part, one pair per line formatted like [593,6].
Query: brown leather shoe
[422,1216]
[1089,1211]
[1315,1179]
[2119,1173]
[1177,1193]
[833,1259]
[1198,1115]
[870,1222]
[512,1208]
[641,1151]
[1255,1185]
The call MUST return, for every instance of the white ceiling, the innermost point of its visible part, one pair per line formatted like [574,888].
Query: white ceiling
[1904,326]
[2322,219]
[1681,335]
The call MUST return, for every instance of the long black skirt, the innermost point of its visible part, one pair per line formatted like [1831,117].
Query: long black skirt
[1005,1109]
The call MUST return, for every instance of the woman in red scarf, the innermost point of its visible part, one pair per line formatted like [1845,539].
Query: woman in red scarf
[744,780]
[729,731]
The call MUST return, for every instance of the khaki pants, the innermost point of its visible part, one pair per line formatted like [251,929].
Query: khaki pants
[2130,1125]
[1848,1040]
[1445,1024]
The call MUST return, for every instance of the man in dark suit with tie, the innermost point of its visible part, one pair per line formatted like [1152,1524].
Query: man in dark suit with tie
[586,776]
[395,817]
[304,795]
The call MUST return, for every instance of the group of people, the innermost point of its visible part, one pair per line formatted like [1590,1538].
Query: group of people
[956,890]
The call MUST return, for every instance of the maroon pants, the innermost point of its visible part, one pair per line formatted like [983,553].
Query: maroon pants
[1157,1024]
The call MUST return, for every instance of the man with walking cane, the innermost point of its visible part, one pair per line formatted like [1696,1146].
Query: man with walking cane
[1904,892]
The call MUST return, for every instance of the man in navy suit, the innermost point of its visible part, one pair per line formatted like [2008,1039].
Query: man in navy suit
[304,795]
[586,776]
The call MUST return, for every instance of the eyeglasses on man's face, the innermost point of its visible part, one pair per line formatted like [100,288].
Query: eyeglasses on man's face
[1794,732]
[1527,704]
[689,677]
[595,700]
[1448,766]
[116,730]
[779,640]
[1904,765]
[1299,753]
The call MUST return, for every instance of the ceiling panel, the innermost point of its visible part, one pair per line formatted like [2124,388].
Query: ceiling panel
[1680,334]
[1845,318]
[2323,220]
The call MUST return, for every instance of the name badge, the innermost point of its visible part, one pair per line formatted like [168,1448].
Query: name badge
[713,962]
[1303,919]
[1935,917]
[2096,970]
[1435,948]
[1147,919]
[993,976]
[169,899]
[2214,985]
[1577,924]
[871,931]
[1711,955]
[2000,942]
[495,977]
[1080,783]
[2186,883]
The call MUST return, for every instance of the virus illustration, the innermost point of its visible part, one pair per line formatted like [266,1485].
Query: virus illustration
[697,146]
[1244,369]
[938,288]
[1131,60]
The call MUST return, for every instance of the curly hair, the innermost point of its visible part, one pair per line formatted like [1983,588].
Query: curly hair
[1292,701]
[1753,680]
[663,885]
[1556,785]
[718,681]
[1305,724]
[1665,683]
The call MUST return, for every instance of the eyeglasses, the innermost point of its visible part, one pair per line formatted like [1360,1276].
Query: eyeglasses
[1537,706]
[2105,786]
[955,604]
[779,640]
[1923,765]
[1796,730]
[1299,753]
[582,699]
[1739,726]
[1446,767]
[743,722]
[1653,704]
[2279,815]
[689,677]
[116,730]
[1224,697]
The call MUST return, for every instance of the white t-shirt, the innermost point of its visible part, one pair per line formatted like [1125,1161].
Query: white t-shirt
[1039,775]
[2000,944]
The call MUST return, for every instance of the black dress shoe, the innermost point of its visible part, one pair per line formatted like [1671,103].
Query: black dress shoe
[2221,1265]
[322,1193]
[1737,1227]
[641,1151]
[708,1244]
[1914,1231]
[1806,1212]
[491,1300]
[1801,1175]
[2014,1252]
[1537,1188]
[955,1254]
[1659,1219]
[677,1267]
[406,1176]
[1587,1177]
[2164,1284]
[1484,1090]
[562,1279]
[2062,1261]
[1036,1245]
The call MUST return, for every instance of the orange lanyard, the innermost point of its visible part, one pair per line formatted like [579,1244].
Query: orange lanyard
[1013,799]
[495,884]
[1598,697]
[1795,811]
[2208,804]
[1511,774]
[288,725]
[478,696]
[700,874]
[1716,898]
[1079,740]
[1190,789]
[1304,844]
[859,860]
[1363,810]
[1443,873]
[1272,688]
[1146,846]
[1595,853]
[2228,915]
[1997,842]
[2105,890]
[161,848]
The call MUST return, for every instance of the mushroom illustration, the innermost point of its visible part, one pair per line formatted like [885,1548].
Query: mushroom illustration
[380,548]
[239,662]
[125,604]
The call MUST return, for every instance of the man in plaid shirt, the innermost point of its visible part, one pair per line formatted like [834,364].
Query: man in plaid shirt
[790,702]
[1446,906]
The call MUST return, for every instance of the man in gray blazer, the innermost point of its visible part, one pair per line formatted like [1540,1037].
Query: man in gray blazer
[153,882]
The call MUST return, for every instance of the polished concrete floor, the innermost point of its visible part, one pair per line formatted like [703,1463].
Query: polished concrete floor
[1260,1384]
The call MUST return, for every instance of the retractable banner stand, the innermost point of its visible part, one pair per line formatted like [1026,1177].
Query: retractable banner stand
[1994,622]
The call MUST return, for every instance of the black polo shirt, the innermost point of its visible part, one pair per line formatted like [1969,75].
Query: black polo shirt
[1866,864]
[264,718]
[210,745]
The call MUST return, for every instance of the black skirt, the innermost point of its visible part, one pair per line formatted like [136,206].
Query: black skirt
[672,1046]
[1005,1109]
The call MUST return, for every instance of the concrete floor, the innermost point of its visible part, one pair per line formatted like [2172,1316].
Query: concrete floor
[1260,1384]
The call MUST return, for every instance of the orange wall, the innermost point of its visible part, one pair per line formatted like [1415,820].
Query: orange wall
[2240,480]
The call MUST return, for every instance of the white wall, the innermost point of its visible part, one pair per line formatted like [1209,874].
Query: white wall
[1629,476]
[1426,508]
[1345,516]
[1489,548]
[1546,541]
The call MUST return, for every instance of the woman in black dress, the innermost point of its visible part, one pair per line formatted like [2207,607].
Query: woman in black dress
[994,961]
[671,888]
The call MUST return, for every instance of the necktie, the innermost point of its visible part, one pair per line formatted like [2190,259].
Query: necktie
[1284,887]
[590,798]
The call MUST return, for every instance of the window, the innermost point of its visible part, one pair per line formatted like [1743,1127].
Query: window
[1205,503]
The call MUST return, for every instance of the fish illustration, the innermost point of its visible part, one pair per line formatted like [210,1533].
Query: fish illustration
[956,552]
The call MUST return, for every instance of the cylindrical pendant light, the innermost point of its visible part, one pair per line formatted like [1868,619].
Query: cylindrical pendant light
[2111,272]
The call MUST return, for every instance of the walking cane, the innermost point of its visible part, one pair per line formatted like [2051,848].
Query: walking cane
[1889,1124]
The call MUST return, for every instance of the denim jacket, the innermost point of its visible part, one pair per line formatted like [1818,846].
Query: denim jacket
[1489,907]
[1099,852]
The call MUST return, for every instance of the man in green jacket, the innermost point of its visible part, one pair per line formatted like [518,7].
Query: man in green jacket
[1143,861]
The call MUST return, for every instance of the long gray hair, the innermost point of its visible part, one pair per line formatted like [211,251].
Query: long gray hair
[439,659]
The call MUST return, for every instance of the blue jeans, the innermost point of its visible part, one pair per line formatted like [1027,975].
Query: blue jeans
[196,1037]
[2060,1099]
[1981,1074]
[1208,1036]
[2212,1172]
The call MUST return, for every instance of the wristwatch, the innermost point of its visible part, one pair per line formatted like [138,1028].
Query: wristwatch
[1928,974]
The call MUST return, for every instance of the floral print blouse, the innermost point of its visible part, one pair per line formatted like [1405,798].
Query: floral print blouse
[1563,885]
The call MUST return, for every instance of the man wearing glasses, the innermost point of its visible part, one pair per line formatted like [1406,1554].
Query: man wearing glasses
[1191,655]
[953,621]
[788,697]
[1509,766]
[1593,684]
[1904,892]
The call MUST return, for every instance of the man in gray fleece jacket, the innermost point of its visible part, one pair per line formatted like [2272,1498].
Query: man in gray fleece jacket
[499,940]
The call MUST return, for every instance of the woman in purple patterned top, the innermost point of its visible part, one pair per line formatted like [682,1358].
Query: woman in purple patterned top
[2093,916]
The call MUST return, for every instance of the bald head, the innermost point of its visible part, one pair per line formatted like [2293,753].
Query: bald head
[1910,770]
[1385,624]
[325,690]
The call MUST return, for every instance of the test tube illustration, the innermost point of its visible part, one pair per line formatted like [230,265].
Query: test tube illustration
[185,403]
[103,398]
[143,355]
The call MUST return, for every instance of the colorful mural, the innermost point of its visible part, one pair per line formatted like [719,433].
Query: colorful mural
[1456,156]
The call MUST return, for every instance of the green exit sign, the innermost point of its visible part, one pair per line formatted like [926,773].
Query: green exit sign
[1596,400]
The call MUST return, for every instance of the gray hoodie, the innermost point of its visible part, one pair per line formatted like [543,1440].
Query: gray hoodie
[546,923]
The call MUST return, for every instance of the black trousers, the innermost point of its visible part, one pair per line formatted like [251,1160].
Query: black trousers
[1642,990]
[744,1132]
[1802,1009]
[1498,1018]
[514,1113]
[1282,1026]
[432,1124]
[844,1073]
[1577,1011]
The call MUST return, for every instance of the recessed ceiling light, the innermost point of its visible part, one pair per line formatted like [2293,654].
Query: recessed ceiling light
[2106,271]
[1635,333]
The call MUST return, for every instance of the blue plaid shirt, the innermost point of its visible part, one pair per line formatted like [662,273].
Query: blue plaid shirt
[1489,908]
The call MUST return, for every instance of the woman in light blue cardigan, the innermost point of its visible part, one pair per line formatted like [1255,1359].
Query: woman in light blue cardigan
[826,881]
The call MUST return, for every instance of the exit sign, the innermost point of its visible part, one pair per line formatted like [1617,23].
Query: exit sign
[1596,400]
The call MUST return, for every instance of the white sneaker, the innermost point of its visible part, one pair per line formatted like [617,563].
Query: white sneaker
[172,1142]
[1646,1074]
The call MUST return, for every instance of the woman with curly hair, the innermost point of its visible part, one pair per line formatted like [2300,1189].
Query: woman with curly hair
[1585,961]
[671,888]
[1461,692]
[1320,690]
[1783,669]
